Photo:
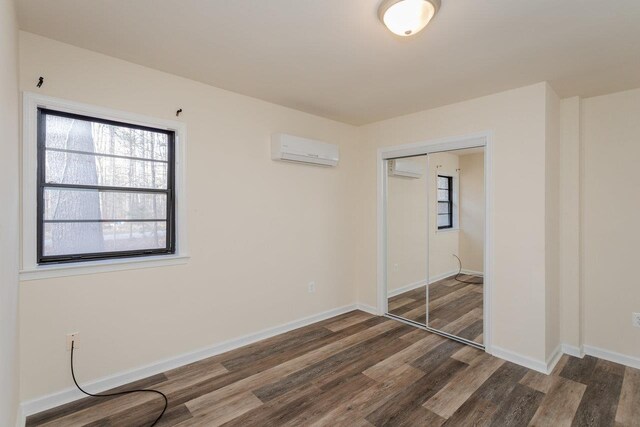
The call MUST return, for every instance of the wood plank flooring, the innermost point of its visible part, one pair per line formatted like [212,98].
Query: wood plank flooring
[454,307]
[362,370]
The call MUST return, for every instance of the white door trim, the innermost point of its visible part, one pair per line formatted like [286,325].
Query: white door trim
[482,139]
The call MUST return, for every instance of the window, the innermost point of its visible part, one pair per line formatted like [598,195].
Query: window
[105,189]
[445,202]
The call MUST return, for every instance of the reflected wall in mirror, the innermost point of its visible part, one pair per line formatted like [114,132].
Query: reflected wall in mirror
[456,243]
[407,234]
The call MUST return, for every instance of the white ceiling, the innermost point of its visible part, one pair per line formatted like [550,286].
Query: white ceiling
[335,59]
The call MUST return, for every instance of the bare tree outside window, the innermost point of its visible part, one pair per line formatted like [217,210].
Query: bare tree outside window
[106,189]
[70,237]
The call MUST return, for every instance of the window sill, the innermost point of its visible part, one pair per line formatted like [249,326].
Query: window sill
[103,266]
[447,230]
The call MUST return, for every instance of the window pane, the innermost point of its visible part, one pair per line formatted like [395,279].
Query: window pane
[82,135]
[63,204]
[89,169]
[94,237]
[443,182]
[443,221]
[443,195]
[443,207]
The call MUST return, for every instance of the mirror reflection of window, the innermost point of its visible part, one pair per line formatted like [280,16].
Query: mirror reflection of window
[445,202]
[435,216]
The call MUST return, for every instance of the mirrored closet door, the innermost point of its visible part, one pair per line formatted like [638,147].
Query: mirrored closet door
[407,241]
[435,219]
[456,243]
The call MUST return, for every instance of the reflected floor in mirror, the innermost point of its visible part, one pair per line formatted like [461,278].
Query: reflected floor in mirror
[454,307]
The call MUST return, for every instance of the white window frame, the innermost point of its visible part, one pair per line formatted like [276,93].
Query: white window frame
[30,269]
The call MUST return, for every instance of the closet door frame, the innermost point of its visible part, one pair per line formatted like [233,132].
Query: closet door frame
[384,154]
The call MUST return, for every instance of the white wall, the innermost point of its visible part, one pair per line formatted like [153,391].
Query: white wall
[552,220]
[472,211]
[248,215]
[610,131]
[570,190]
[517,119]
[407,240]
[9,229]
[259,230]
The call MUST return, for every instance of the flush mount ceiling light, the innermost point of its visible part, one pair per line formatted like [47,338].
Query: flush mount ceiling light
[407,17]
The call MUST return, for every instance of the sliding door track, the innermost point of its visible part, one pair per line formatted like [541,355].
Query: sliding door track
[435,331]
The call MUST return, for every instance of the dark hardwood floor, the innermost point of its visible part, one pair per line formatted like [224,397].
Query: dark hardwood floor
[361,370]
[454,307]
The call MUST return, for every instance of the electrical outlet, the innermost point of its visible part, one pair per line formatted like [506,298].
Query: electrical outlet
[635,320]
[73,337]
[311,287]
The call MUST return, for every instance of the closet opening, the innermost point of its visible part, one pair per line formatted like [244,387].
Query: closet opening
[433,254]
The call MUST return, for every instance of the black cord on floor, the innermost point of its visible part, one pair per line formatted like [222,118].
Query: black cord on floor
[460,272]
[120,393]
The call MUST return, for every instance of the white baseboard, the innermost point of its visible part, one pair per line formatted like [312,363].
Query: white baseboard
[612,356]
[367,309]
[472,272]
[554,358]
[573,350]
[61,397]
[442,276]
[406,288]
[415,285]
[519,359]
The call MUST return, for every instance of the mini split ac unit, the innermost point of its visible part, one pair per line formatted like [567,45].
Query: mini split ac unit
[405,168]
[296,149]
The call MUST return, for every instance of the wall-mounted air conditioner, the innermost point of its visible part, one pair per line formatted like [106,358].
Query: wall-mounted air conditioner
[296,149]
[405,168]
